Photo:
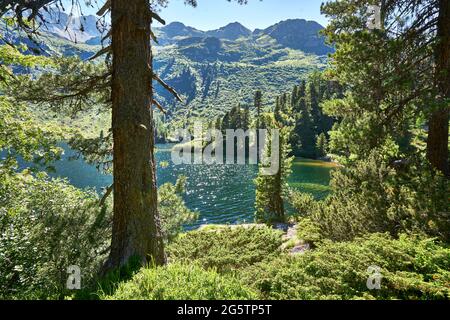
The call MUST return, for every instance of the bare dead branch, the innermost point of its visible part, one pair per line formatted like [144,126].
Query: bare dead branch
[168,88]
[101,52]
[106,195]
[158,105]
[105,8]
[158,18]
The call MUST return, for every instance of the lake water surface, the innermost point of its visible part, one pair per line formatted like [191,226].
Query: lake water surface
[221,194]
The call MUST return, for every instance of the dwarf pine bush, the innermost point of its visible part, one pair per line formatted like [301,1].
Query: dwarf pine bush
[373,197]
[226,248]
[410,268]
[181,282]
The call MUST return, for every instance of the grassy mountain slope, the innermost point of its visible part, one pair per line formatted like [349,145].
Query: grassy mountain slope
[215,70]
[214,75]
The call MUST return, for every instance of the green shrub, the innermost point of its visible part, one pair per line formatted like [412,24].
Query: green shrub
[172,209]
[302,203]
[411,269]
[48,225]
[45,227]
[227,248]
[181,282]
[374,197]
[309,232]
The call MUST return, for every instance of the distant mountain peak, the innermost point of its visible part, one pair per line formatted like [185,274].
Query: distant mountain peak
[179,29]
[78,29]
[175,24]
[235,25]
[298,34]
[231,31]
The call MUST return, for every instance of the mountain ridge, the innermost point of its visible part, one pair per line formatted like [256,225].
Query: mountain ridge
[298,34]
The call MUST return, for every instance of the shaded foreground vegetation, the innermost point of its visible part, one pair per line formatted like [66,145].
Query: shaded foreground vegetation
[411,268]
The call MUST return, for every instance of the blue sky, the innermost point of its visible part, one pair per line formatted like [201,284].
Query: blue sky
[212,14]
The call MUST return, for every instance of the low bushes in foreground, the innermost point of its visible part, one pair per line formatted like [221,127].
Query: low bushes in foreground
[45,227]
[410,268]
[227,248]
[181,282]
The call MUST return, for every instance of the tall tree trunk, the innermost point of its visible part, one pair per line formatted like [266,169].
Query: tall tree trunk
[437,149]
[136,225]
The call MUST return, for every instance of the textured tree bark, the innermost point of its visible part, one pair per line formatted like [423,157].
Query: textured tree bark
[437,148]
[136,225]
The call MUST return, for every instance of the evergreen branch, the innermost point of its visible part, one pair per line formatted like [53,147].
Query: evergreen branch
[76,93]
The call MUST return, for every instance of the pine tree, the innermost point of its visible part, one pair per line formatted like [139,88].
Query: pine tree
[259,122]
[278,111]
[321,145]
[136,224]
[218,124]
[303,111]
[295,96]
[226,122]
[302,89]
[245,118]
[238,117]
[258,108]
[437,143]
[313,106]
[398,75]
[304,132]
[271,190]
